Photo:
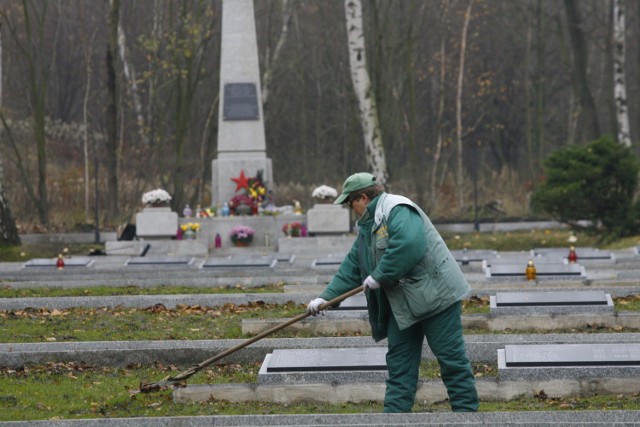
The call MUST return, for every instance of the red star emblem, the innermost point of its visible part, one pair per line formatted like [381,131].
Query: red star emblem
[241,181]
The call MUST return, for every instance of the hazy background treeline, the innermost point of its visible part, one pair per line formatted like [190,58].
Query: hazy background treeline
[137,107]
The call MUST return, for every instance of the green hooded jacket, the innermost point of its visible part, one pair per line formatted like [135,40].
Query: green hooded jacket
[400,248]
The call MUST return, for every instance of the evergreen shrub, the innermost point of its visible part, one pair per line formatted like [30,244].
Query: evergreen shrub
[596,182]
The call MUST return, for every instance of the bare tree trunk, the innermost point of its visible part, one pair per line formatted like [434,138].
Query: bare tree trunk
[8,230]
[271,59]
[539,84]
[112,113]
[156,33]
[130,76]
[1,65]
[463,48]
[205,151]
[85,122]
[374,148]
[619,81]
[587,108]
[433,201]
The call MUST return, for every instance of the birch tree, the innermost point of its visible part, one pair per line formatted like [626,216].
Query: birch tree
[619,81]
[272,58]
[463,48]
[129,72]
[368,110]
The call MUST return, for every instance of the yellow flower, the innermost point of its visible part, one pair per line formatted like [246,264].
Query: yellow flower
[184,227]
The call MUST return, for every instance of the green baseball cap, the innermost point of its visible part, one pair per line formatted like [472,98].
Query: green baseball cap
[357,181]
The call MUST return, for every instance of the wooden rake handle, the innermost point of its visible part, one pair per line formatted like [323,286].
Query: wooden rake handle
[189,372]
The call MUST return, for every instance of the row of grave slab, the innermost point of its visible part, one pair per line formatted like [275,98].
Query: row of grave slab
[559,364]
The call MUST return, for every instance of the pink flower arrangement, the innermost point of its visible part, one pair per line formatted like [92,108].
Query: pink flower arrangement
[241,233]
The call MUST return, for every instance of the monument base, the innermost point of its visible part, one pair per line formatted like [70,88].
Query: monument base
[227,167]
[156,223]
[328,219]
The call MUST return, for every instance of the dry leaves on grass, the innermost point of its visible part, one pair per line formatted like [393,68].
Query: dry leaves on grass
[180,309]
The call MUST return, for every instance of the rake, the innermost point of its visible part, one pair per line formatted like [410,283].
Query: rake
[179,380]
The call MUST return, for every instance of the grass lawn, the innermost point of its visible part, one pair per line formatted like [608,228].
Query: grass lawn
[71,391]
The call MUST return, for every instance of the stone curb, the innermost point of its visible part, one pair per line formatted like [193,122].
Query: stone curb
[481,348]
[429,391]
[522,419]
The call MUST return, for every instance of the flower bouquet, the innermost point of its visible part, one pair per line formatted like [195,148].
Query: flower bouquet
[157,197]
[190,229]
[241,235]
[293,229]
[324,193]
[242,204]
[193,226]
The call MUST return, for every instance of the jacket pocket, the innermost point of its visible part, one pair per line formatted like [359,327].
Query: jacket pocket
[425,295]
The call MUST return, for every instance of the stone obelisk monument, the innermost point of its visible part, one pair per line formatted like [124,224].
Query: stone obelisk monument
[241,139]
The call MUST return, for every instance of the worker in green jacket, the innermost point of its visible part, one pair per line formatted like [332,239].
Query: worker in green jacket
[413,287]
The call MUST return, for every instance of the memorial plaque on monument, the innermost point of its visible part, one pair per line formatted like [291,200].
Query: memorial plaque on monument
[572,355]
[163,260]
[240,102]
[328,359]
[520,299]
[240,262]
[51,262]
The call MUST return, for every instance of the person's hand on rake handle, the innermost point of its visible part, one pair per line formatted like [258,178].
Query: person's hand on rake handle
[314,306]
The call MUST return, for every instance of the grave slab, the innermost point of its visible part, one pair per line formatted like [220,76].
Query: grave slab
[160,261]
[355,302]
[466,256]
[285,258]
[520,260]
[333,365]
[551,271]
[563,361]
[51,262]
[583,253]
[550,302]
[332,260]
[240,261]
